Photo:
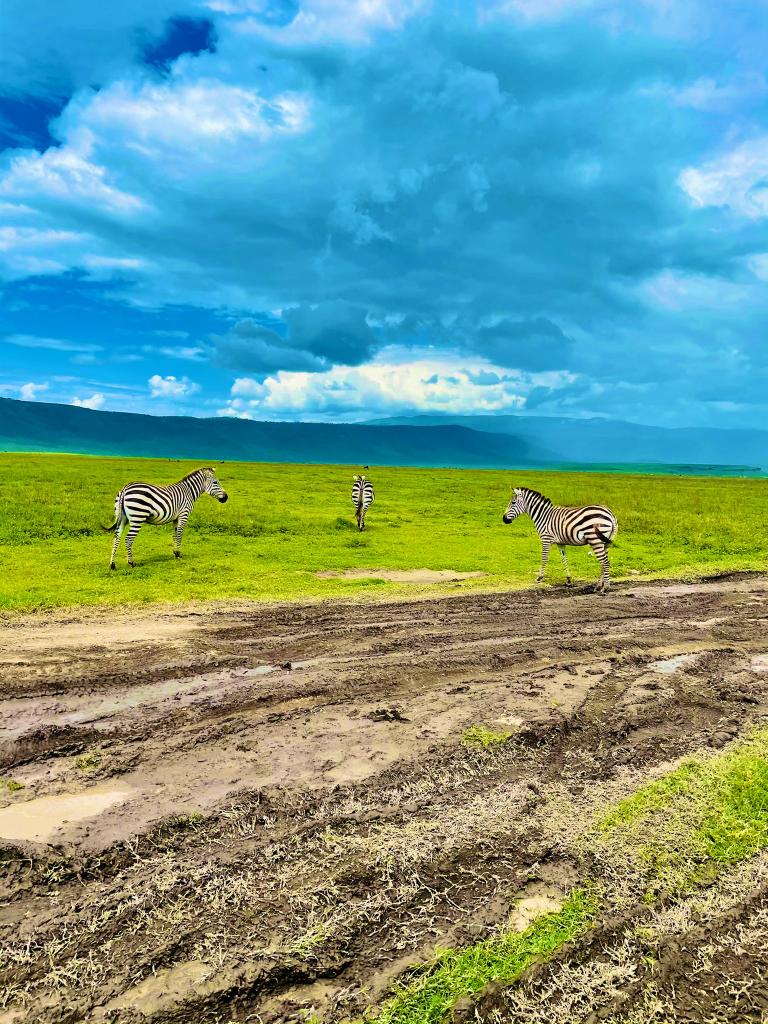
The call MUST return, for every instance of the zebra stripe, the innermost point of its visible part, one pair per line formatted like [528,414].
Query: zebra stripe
[562,525]
[362,497]
[140,503]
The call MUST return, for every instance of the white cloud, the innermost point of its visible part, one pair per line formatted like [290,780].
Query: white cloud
[249,388]
[54,344]
[28,250]
[180,119]
[758,264]
[96,401]
[440,385]
[672,290]
[66,175]
[29,392]
[233,412]
[193,353]
[171,387]
[326,20]
[738,179]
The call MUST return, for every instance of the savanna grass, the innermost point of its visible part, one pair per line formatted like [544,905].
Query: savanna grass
[285,523]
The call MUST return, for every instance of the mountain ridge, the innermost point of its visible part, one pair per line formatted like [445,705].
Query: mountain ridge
[597,440]
[482,442]
[42,426]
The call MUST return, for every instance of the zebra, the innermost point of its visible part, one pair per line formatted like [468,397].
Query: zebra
[363,497]
[562,525]
[140,503]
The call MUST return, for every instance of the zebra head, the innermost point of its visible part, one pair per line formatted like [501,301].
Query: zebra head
[213,487]
[517,505]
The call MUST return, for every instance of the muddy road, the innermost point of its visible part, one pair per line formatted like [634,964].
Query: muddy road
[264,813]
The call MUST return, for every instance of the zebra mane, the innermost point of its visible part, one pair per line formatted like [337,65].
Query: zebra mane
[195,472]
[536,494]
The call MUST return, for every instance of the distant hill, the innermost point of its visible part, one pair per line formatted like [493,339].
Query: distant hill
[615,441]
[40,426]
[481,442]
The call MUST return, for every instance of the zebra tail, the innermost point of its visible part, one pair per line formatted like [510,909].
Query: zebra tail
[608,541]
[118,516]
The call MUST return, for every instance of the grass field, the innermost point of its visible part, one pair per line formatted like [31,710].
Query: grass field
[285,523]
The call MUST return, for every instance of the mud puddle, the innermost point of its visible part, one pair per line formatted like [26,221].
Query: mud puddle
[40,820]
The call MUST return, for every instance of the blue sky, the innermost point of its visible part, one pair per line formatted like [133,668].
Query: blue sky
[318,210]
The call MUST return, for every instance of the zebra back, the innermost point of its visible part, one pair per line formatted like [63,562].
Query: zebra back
[362,492]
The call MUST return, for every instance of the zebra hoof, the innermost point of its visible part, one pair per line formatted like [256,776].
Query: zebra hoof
[177,554]
[568,582]
[112,565]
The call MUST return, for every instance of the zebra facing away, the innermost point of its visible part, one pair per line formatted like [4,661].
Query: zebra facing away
[140,503]
[362,497]
[565,526]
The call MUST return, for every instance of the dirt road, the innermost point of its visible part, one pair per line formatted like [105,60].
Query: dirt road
[261,812]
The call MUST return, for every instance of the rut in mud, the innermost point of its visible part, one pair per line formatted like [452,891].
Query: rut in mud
[287,815]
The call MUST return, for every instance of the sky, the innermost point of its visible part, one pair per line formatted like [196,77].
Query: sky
[275,209]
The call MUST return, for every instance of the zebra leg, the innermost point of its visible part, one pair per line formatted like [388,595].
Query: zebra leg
[602,556]
[129,539]
[181,522]
[565,566]
[118,534]
[361,519]
[545,546]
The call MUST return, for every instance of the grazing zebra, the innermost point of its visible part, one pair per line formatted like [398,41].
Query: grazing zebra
[141,503]
[363,497]
[558,524]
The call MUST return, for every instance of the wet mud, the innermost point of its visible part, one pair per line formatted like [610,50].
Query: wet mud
[264,813]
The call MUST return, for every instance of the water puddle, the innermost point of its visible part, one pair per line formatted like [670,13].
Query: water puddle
[38,820]
[531,907]
[261,670]
[24,714]
[163,988]
[759,663]
[668,666]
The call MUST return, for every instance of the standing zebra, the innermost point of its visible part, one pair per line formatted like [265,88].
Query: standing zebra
[363,497]
[141,503]
[558,524]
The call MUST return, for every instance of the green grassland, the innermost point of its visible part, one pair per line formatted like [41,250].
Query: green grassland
[285,523]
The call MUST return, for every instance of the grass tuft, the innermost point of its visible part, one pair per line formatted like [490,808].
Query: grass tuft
[89,763]
[479,736]
[12,785]
[458,973]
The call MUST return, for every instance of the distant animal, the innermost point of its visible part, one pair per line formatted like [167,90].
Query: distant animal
[362,497]
[140,503]
[566,526]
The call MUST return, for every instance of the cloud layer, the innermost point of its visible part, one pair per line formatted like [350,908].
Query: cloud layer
[570,188]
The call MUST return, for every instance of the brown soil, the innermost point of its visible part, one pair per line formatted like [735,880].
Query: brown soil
[258,812]
[400,575]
